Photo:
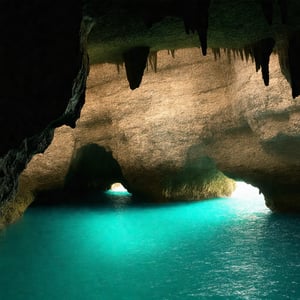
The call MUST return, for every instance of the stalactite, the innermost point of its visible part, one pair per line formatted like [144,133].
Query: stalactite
[172,52]
[195,18]
[216,52]
[248,53]
[202,33]
[135,64]
[267,7]
[288,53]
[241,53]
[282,49]
[234,53]
[228,54]
[294,63]
[259,53]
[262,51]
[152,60]
[119,66]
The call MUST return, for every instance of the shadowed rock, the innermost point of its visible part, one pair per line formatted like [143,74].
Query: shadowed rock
[152,61]
[92,167]
[283,10]
[135,64]
[262,51]
[289,60]
[267,7]
[193,12]
[294,63]
[195,18]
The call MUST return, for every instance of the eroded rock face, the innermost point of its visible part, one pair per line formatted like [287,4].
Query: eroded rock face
[69,89]
[193,109]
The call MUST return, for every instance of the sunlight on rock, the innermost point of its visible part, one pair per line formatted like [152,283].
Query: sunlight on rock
[247,191]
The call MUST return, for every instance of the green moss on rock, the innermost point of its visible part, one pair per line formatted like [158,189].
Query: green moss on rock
[200,180]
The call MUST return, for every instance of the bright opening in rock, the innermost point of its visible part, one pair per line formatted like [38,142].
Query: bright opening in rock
[117,188]
[248,199]
[247,191]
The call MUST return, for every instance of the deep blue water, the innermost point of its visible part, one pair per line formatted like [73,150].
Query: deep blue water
[218,249]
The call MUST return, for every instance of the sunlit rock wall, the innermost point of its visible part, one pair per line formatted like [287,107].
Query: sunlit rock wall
[192,110]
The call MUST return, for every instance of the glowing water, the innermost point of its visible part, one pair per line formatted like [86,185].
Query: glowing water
[221,249]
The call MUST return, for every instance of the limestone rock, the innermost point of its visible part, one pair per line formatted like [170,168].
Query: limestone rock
[159,132]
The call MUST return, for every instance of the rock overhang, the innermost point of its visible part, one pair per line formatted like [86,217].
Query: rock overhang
[240,27]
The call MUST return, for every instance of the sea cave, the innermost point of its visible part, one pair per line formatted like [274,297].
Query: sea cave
[128,130]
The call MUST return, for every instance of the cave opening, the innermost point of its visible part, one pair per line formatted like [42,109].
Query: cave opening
[247,191]
[93,168]
[118,188]
[247,197]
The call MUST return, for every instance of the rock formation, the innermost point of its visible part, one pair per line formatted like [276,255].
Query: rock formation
[174,129]
[135,63]
[43,87]
[267,7]
[44,68]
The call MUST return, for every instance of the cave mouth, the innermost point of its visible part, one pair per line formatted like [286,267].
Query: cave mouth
[249,197]
[117,188]
[247,191]
[93,168]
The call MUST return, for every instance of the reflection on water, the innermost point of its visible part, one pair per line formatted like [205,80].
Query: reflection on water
[218,249]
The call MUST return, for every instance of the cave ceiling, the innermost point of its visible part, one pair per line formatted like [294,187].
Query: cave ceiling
[244,28]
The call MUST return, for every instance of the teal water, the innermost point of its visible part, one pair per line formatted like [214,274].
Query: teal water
[219,249]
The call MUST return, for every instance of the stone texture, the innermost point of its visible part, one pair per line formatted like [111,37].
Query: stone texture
[194,108]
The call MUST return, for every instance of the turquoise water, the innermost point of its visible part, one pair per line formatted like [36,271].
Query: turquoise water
[218,249]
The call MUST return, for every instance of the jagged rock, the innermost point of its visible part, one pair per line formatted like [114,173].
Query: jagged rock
[195,18]
[288,52]
[39,58]
[152,60]
[15,193]
[135,63]
[262,51]
[294,63]
[160,133]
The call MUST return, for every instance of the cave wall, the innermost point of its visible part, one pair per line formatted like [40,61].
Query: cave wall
[45,65]
[40,57]
[43,76]
[220,109]
[191,110]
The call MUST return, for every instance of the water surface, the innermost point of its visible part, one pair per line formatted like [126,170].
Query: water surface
[218,249]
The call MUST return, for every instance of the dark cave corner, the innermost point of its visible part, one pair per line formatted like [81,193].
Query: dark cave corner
[43,83]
